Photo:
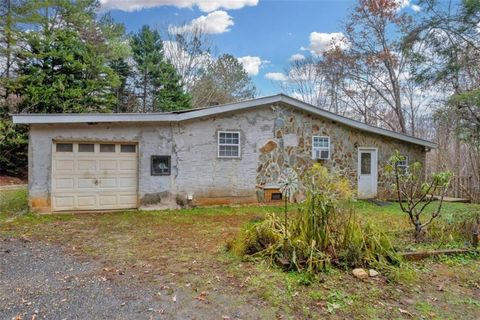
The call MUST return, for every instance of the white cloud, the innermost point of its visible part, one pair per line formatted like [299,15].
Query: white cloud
[416,8]
[213,23]
[403,3]
[276,76]
[321,42]
[296,57]
[203,5]
[252,64]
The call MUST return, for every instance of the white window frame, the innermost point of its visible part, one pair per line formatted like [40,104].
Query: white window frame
[229,144]
[403,168]
[329,148]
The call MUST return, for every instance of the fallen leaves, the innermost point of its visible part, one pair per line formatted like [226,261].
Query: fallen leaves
[403,311]
[244,282]
[203,295]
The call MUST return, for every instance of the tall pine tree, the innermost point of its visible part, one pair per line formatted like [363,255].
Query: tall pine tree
[157,81]
[61,65]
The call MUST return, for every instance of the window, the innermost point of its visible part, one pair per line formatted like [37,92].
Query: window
[403,165]
[320,147]
[160,166]
[107,148]
[228,144]
[64,147]
[128,148]
[365,163]
[86,147]
[276,196]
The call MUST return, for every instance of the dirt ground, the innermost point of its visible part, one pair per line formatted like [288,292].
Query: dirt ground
[173,265]
[40,281]
[7,181]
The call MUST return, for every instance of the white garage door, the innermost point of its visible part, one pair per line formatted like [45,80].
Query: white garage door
[94,176]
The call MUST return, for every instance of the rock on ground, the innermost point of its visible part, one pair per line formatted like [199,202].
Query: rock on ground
[373,273]
[360,273]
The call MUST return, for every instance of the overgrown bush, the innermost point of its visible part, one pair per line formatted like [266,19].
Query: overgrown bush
[454,229]
[324,232]
[415,192]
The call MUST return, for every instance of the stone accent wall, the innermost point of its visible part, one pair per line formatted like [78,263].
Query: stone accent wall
[291,146]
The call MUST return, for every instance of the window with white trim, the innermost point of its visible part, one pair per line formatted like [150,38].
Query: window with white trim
[320,147]
[402,165]
[228,144]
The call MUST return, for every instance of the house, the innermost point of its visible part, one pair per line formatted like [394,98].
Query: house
[232,153]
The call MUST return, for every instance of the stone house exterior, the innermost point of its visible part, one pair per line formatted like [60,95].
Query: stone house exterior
[224,154]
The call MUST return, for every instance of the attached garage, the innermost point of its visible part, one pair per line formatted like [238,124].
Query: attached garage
[94,176]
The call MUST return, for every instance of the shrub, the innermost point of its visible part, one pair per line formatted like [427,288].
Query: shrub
[415,193]
[324,232]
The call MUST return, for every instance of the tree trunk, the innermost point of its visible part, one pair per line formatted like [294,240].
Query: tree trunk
[145,77]
[418,231]
[398,106]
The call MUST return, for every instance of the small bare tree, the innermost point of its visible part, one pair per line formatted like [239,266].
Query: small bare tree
[415,193]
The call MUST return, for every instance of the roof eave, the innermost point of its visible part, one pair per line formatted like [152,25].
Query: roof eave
[211,111]
[357,124]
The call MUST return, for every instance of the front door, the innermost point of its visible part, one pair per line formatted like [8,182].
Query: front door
[367,173]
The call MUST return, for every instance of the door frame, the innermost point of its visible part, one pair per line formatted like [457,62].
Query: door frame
[374,169]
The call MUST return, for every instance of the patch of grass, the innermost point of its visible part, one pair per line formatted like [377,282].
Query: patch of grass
[458,260]
[317,295]
[450,230]
[424,307]
[472,302]
[13,202]
[336,300]
[406,274]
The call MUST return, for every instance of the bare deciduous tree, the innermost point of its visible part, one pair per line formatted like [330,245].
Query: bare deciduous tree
[190,51]
[307,82]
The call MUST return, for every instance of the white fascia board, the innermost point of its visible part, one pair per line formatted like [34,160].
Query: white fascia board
[91,118]
[356,124]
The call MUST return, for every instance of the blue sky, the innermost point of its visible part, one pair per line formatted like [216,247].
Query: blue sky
[264,34]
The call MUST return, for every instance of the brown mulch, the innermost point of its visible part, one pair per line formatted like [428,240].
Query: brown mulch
[7,181]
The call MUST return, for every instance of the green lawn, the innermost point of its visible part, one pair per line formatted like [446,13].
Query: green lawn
[13,202]
[188,247]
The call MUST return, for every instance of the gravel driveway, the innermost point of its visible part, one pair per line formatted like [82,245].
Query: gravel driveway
[40,281]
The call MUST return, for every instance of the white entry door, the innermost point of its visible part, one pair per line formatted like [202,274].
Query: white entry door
[367,173]
[94,176]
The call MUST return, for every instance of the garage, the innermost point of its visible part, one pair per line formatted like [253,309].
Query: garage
[94,175]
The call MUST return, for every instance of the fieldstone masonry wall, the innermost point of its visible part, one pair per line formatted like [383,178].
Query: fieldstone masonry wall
[291,146]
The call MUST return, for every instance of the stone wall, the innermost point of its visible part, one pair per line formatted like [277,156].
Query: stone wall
[291,143]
